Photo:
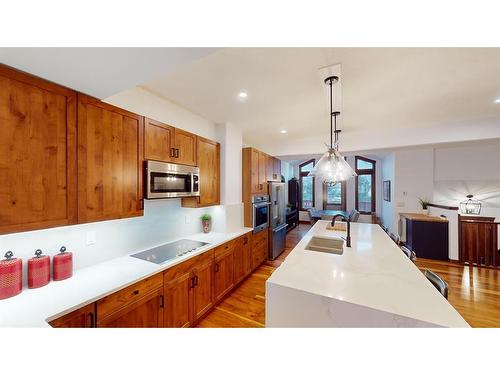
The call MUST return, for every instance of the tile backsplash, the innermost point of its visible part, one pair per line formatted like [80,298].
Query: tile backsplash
[163,221]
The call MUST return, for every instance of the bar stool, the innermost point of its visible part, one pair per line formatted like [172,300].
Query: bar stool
[409,253]
[438,282]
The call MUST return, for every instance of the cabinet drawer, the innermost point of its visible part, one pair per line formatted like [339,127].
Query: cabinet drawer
[186,266]
[225,248]
[260,238]
[259,255]
[132,293]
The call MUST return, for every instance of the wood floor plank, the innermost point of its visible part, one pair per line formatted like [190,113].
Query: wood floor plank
[474,292]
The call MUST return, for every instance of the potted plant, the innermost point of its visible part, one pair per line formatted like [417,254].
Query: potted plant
[206,221]
[424,202]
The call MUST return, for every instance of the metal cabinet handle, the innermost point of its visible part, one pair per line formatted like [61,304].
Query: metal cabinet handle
[176,152]
[192,283]
[136,292]
[92,320]
[245,240]
[196,280]
[162,301]
[216,267]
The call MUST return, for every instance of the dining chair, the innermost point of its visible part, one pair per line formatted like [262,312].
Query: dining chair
[310,214]
[409,253]
[354,215]
[438,282]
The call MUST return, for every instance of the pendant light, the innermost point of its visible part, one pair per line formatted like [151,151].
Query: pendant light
[471,206]
[332,167]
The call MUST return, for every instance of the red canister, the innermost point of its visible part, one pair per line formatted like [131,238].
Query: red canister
[62,265]
[11,276]
[38,270]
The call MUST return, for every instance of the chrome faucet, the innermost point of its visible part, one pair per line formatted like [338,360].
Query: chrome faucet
[346,219]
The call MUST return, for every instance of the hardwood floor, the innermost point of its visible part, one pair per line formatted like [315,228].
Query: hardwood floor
[473,291]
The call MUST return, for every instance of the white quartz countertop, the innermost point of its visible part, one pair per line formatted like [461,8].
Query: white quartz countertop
[373,272]
[35,307]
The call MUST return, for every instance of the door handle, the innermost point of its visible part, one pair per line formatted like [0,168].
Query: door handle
[162,301]
[216,267]
[176,152]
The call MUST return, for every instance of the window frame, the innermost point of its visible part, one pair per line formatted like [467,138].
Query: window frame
[304,174]
[343,198]
[369,172]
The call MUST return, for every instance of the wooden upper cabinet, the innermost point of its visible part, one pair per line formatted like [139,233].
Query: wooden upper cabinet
[184,147]
[208,155]
[110,154]
[84,317]
[262,172]
[271,176]
[158,141]
[277,169]
[37,153]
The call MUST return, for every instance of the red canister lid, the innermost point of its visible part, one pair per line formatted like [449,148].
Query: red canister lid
[38,270]
[11,276]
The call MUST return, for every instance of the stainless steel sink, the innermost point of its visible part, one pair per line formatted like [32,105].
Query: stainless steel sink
[326,245]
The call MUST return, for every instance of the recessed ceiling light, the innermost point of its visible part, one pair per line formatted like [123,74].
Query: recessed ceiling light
[283,131]
[243,95]
[497,101]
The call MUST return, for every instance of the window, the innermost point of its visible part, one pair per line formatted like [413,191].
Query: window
[306,185]
[365,185]
[334,196]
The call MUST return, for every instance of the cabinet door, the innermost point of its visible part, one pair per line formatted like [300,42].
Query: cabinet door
[262,172]
[255,156]
[260,248]
[277,169]
[146,312]
[271,176]
[238,260]
[37,153]
[178,301]
[203,289]
[81,318]
[246,246]
[110,145]
[224,274]
[208,155]
[158,139]
[185,145]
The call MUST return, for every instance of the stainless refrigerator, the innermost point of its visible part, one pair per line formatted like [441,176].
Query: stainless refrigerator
[277,219]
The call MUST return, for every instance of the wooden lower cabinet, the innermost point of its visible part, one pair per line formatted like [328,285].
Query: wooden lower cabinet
[84,317]
[243,257]
[189,291]
[176,298]
[202,290]
[224,271]
[146,312]
[260,247]
[178,301]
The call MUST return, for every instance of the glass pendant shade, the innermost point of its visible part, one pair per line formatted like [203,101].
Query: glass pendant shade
[332,168]
[470,206]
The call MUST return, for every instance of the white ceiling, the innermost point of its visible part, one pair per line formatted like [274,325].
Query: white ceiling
[100,72]
[390,97]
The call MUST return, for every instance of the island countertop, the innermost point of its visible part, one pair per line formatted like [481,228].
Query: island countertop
[373,273]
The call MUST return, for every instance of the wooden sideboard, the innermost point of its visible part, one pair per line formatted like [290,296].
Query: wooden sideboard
[478,241]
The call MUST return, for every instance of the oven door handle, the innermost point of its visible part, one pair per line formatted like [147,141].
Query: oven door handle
[258,205]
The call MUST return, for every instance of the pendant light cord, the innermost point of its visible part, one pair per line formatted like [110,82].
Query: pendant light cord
[331,120]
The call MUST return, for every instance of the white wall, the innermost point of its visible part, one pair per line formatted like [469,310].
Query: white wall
[145,103]
[163,220]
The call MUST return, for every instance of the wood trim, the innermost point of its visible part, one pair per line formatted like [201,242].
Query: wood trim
[373,174]
[443,207]
[304,174]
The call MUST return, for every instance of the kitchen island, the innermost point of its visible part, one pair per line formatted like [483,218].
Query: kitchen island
[371,284]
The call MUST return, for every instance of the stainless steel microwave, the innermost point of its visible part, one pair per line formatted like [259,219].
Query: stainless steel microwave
[167,180]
